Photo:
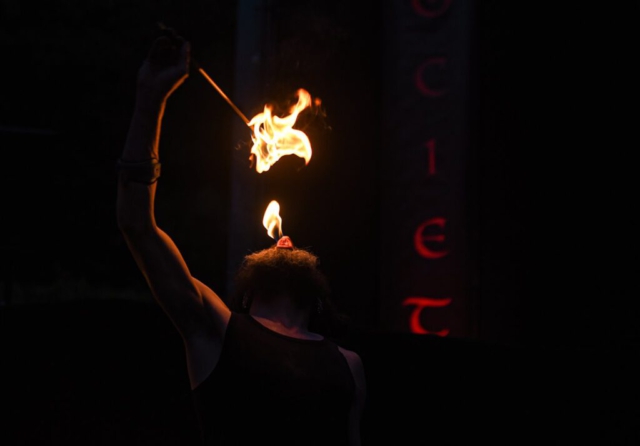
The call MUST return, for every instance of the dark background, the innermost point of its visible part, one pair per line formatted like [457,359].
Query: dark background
[551,202]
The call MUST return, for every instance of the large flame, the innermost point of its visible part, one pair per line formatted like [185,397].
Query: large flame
[272,221]
[274,136]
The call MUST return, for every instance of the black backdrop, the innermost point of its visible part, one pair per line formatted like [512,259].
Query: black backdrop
[553,229]
[549,196]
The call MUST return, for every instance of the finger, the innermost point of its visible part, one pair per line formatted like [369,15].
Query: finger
[160,43]
[161,50]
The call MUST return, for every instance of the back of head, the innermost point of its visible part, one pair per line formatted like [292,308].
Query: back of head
[292,272]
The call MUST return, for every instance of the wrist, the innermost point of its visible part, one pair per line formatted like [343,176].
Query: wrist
[140,171]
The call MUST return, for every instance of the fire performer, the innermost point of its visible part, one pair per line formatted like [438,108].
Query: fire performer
[258,371]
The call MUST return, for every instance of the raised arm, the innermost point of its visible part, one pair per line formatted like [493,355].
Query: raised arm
[196,311]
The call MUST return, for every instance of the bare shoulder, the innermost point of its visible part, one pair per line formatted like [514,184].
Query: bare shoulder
[355,364]
[352,357]
[204,344]
[360,395]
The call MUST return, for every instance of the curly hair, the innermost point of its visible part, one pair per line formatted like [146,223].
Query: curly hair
[292,272]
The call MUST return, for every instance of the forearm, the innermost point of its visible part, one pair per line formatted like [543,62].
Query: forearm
[135,203]
[166,67]
[144,131]
[135,208]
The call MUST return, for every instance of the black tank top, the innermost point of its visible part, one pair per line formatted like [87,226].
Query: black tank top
[269,388]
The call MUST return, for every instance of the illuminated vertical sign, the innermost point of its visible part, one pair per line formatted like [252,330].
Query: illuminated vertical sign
[423,275]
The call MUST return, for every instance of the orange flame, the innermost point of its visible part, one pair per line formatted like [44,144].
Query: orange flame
[274,137]
[272,220]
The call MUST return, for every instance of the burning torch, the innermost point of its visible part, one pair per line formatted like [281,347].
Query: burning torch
[273,137]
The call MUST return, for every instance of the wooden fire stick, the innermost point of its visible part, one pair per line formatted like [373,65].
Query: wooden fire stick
[174,35]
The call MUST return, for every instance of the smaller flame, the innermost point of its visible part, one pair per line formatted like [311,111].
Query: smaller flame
[274,136]
[272,220]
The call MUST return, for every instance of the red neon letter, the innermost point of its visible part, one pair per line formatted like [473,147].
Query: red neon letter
[419,239]
[421,303]
[431,147]
[430,12]
[419,77]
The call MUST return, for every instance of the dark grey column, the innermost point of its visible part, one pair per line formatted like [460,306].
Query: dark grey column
[245,219]
[425,282]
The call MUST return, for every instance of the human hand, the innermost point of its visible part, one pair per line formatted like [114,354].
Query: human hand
[165,69]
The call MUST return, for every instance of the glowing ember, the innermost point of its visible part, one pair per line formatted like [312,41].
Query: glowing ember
[284,243]
[272,220]
[274,136]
